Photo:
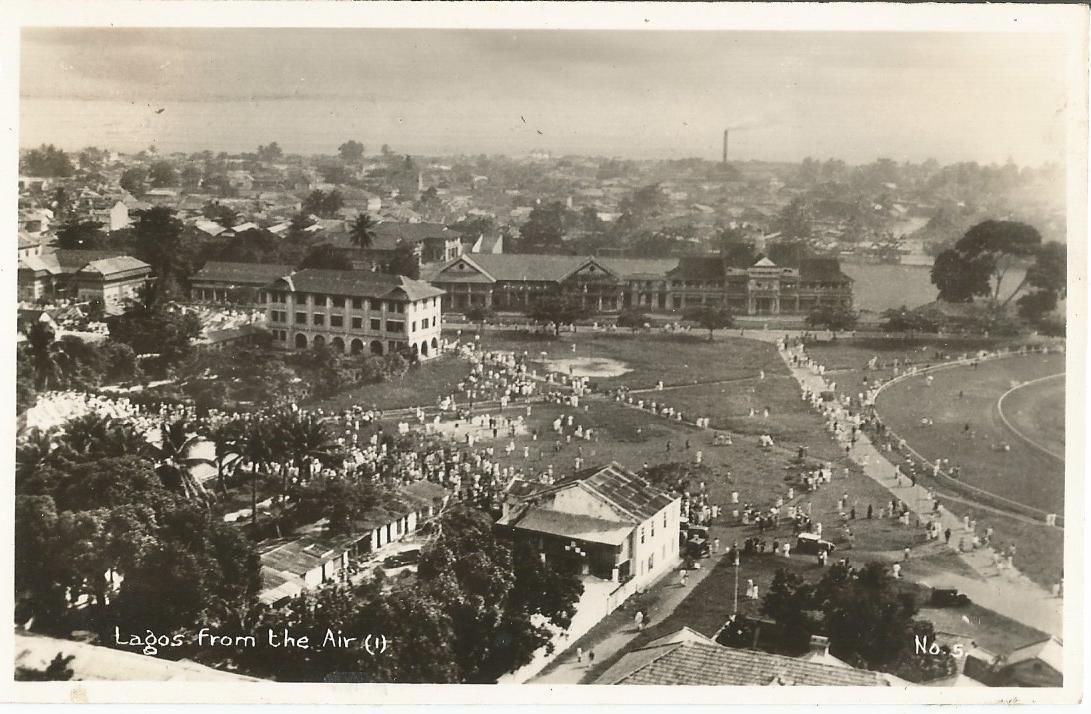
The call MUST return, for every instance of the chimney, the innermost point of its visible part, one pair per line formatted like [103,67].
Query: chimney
[725,145]
[820,645]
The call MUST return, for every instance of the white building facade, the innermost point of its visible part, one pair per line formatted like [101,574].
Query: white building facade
[354,312]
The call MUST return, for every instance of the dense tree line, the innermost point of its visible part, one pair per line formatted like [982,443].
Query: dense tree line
[870,622]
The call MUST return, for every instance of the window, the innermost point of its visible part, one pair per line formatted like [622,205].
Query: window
[338,301]
[642,535]
[664,520]
[357,304]
[337,321]
[414,327]
[376,305]
[301,318]
[357,323]
[653,528]
[319,318]
[424,324]
[394,307]
[376,325]
[395,326]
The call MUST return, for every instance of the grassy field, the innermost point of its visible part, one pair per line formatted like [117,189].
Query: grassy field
[1037,411]
[1040,552]
[421,386]
[674,359]
[1022,474]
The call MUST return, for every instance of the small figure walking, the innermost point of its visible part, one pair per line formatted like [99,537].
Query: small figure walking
[579,655]
[591,659]
[682,575]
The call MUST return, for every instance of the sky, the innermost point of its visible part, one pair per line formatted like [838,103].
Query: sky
[632,94]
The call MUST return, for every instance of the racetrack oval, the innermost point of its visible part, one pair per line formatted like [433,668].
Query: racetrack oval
[1030,411]
[964,397]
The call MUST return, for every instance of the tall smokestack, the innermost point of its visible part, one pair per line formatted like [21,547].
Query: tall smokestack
[725,145]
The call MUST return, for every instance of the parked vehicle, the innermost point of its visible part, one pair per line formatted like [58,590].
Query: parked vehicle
[696,543]
[811,544]
[406,557]
[948,597]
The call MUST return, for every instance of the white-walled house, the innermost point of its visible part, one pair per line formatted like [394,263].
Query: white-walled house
[616,524]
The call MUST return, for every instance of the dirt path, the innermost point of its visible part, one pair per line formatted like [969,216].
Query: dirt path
[1006,591]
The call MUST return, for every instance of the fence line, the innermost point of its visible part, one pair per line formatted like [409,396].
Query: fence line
[987,497]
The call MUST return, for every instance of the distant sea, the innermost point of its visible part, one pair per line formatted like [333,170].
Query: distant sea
[879,287]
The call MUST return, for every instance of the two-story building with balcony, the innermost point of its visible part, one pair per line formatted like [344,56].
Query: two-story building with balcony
[610,521]
[514,281]
[354,312]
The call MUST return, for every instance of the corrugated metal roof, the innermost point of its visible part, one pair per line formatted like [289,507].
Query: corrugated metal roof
[577,527]
[245,273]
[628,491]
[356,283]
[113,266]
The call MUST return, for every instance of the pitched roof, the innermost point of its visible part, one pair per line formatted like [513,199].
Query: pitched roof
[356,283]
[249,273]
[212,228]
[95,663]
[65,262]
[635,267]
[570,525]
[634,498]
[764,263]
[699,268]
[112,266]
[696,660]
[517,267]
[1050,651]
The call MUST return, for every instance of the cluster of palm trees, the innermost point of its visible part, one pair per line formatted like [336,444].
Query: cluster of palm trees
[256,446]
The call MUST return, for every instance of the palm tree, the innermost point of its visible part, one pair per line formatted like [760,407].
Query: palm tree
[302,437]
[256,446]
[47,368]
[362,232]
[227,438]
[175,459]
[31,451]
[94,436]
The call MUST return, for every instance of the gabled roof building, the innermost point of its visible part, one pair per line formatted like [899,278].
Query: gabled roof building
[514,281]
[610,520]
[688,657]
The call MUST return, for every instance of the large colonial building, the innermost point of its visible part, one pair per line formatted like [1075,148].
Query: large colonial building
[222,282]
[354,312]
[512,282]
[617,525]
[86,275]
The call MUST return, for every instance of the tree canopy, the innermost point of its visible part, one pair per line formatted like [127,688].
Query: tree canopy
[835,318]
[351,151]
[47,161]
[326,257]
[978,262]
[322,204]
[870,623]
[711,318]
[556,311]
[81,235]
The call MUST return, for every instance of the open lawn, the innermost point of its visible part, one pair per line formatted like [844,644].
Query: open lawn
[1022,474]
[847,357]
[422,385]
[1037,412]
[675,359]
